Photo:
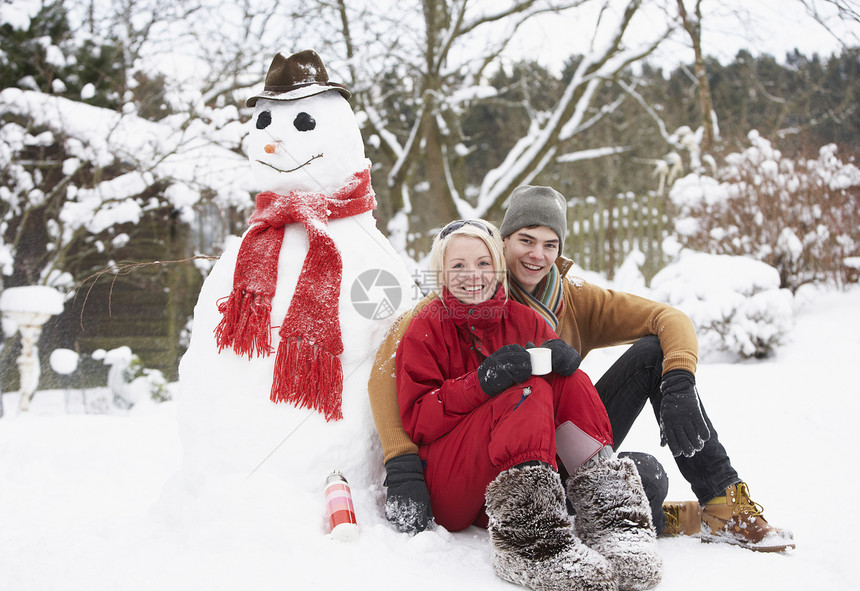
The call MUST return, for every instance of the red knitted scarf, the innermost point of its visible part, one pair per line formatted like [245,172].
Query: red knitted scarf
[308,372]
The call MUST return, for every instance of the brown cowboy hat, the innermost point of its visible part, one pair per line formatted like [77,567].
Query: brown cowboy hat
[298,76]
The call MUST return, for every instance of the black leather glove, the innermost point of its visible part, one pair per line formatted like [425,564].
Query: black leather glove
[565,359]
[682,424]
[506,367]
[407,504]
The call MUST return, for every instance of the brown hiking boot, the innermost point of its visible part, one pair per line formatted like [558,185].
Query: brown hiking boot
[737,519]
[682,518]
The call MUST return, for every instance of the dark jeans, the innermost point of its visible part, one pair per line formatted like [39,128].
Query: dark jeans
[635,379]
[654,481]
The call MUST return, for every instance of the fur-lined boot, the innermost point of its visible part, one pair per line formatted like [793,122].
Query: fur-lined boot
[531,537]
[614,518]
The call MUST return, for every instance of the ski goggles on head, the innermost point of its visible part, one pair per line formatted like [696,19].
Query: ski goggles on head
[456,225]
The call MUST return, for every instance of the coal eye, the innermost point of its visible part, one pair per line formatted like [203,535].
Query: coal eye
[304,122]
[264,120]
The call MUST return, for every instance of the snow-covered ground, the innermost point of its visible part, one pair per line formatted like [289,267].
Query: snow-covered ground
[83,502]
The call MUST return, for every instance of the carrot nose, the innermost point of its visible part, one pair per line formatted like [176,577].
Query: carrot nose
[270,148]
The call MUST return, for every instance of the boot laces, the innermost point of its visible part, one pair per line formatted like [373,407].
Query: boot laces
[744,505]
[673,517]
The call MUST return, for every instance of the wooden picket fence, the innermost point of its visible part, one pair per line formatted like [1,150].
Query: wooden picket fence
[602,231]
[602,234]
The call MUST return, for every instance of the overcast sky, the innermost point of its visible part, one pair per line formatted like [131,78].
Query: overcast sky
[774,27]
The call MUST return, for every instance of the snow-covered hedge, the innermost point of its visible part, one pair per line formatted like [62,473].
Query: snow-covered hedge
[801,216]
[735,303]
[129,381]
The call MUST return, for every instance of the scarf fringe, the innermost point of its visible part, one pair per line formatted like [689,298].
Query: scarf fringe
[245,324]
[308,376]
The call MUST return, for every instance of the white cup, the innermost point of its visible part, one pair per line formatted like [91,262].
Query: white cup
[541,360]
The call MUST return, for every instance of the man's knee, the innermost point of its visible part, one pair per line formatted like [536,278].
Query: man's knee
[647,355]
[649,351]
[654,477]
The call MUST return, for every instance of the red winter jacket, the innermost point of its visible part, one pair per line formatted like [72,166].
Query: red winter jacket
[437,381]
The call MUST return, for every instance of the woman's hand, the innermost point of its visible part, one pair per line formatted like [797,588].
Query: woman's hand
[407,504]
[565,359]
[508,366]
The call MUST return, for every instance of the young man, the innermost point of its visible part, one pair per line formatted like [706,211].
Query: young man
[659,367]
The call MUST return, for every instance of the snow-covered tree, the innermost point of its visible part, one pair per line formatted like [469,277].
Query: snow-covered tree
[83,152]
[441,69]
[801,216]
[454,112]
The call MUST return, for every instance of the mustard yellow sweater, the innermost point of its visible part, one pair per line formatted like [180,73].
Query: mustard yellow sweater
[593,317]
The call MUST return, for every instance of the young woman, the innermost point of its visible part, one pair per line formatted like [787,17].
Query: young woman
[487,431]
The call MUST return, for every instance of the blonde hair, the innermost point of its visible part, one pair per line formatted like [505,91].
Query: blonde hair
[492,240]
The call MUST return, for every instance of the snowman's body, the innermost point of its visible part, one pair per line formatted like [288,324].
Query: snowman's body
[228,424]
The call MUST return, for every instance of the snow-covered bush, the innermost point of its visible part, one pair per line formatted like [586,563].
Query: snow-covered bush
[735,303]
[800,216]
[129,381]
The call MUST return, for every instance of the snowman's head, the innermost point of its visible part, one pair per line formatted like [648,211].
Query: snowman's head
[312,144]
[304,135]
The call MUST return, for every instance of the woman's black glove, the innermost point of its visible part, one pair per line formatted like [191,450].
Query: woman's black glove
[407,504]
[506,367]
[565,359]
[682,424]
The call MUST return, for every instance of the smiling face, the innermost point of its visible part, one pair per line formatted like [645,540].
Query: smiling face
[530,253]
[468,270]
[310,144]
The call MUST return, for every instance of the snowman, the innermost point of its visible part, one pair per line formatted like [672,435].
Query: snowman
[274,382]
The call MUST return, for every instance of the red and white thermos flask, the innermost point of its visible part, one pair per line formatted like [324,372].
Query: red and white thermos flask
[341,513]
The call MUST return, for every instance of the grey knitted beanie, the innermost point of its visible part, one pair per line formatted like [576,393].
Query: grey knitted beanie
[536,206]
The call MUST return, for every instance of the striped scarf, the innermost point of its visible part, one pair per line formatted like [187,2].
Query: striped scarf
[547,299]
